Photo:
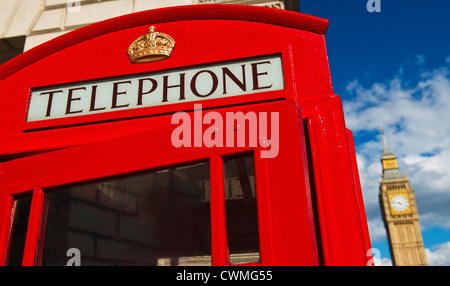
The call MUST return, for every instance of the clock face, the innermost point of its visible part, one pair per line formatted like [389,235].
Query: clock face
[399,203]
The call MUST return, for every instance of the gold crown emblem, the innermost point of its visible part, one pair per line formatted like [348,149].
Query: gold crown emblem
[151,47]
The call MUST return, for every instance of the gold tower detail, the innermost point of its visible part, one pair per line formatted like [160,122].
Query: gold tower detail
[400,215]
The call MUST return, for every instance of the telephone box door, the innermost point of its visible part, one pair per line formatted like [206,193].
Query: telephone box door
[141,200]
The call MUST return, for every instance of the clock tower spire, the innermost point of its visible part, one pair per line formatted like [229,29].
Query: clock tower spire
[399,211]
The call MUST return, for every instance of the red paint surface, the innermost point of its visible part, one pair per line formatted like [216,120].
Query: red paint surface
[309,197]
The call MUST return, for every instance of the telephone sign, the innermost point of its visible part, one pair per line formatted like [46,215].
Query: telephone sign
[170,87]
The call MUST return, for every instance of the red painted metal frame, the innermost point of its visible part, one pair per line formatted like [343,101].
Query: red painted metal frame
[280,226]
[342,220]
[297,217]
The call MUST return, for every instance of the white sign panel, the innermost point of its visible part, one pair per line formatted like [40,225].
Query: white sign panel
[214,81]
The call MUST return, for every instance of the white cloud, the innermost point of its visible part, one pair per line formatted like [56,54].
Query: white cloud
[376,229]
[439,255]
[415,113]
[420,59]
[382,262]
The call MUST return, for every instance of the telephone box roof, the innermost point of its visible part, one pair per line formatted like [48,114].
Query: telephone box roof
[266,15]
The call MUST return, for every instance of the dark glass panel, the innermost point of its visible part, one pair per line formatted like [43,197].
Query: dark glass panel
[241,210]
[152,218]
[19,226]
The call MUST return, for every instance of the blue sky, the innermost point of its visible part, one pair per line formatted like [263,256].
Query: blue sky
[392,68]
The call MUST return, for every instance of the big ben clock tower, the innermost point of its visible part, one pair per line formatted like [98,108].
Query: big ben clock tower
[400,215]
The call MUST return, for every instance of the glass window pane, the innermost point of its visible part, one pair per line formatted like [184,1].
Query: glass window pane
[19,226]
[153,218]
[241,210]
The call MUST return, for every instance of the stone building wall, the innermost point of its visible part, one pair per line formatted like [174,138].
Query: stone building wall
[27,23]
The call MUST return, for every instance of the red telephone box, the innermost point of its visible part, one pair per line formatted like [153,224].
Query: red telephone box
[196,135]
